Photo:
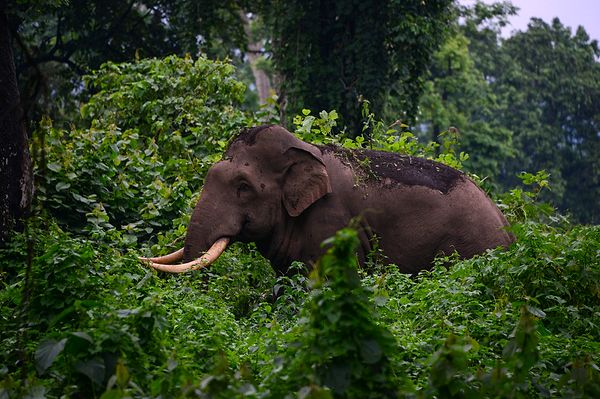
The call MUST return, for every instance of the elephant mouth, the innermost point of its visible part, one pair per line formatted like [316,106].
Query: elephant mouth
[166,263]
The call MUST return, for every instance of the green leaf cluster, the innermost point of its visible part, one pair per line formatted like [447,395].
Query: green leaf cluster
[375,134]
[137,157]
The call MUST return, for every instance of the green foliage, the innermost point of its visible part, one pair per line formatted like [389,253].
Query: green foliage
[524,103]
[554,270]
[527,102]
[330,55]
[550,80]
[377,135]
[457,97]
[541,88]
[340,346]
[59,41]
[505,337]
[515,323]
[105,323]
[146,139]
[520,205]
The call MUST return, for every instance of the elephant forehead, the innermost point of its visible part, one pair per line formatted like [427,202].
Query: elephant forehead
[266,148]
[229,170]
[273,139]
[260,157]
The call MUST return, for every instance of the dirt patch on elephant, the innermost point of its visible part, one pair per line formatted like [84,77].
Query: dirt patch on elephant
[389,168]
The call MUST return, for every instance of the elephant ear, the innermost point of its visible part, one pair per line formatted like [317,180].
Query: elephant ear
[305,181]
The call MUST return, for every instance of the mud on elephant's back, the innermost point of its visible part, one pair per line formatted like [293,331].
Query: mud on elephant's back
[397,169]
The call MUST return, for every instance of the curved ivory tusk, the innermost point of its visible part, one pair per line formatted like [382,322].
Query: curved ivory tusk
[170,258]
[205,260]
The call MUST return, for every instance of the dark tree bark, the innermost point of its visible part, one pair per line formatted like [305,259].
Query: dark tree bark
[16,182]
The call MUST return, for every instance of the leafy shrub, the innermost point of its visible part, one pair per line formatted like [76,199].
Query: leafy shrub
[493,306]
[146,139]
[339,349]
[486,327]
[96,320]
[377,135]
[555,270]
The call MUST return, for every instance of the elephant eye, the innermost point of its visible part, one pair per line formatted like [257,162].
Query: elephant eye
[243,188]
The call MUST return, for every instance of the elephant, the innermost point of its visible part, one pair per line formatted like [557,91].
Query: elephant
[288,196]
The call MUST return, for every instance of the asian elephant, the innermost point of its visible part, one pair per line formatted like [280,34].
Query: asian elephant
[288,196]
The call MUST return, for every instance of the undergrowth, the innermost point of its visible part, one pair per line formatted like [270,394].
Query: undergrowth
[96,323]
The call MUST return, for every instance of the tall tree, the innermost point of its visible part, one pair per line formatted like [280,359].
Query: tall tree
[16,183]
[458,93]
[541,87]
[481,25]
[254,53]
[330,53]
[458,96]
[551,84]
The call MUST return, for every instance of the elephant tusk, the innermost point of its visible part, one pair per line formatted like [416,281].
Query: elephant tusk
[166,259]
[205,260]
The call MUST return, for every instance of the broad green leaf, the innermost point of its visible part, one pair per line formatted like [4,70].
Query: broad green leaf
[62,186]
[54,167]
[535,311]
[94,369]
[47,352]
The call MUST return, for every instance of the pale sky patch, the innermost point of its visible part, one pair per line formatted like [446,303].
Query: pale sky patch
[571,13]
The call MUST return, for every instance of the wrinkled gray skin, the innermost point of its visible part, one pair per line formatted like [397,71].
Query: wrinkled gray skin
[288,196]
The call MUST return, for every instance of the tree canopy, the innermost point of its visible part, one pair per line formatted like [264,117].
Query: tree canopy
[57,42]
[550,82]
[529,102]
[330,54]
[523,103]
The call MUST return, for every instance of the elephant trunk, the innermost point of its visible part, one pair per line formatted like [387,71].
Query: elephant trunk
[199,237]
[203,245]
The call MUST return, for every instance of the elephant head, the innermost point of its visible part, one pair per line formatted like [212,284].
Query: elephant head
[266,176]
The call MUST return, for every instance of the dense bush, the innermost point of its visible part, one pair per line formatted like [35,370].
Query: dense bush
[143,145]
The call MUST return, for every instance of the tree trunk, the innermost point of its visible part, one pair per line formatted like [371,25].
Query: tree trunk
[16,182]
[263,84]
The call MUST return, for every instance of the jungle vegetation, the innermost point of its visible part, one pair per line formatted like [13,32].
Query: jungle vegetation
[125,105]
